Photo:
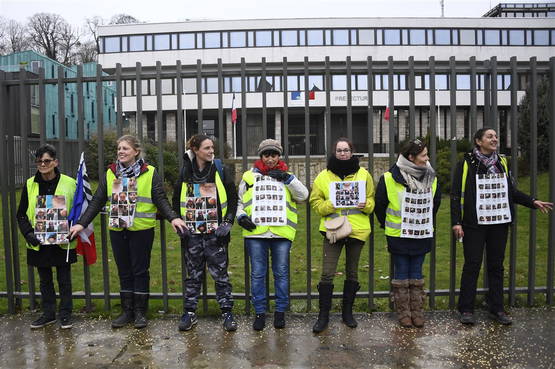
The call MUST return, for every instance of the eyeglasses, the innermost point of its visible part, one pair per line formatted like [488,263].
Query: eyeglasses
[44,162]
[344,151]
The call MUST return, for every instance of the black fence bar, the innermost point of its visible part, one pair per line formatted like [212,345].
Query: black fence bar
[139,94]
[285,118]
[327,123]
[473,115]
[61,131]
[308,180]
[533,178]
[392,141]
[244,169]
[551,244]
[263,85]
[371,244]
[42,107]
[514,172]
[453,161]
[221,132]
[119,100]
[487,94]
[494,112]
[412,124]
[200,118]
[433,161]
[349,98]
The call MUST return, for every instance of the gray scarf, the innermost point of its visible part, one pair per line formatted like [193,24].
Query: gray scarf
[417,178]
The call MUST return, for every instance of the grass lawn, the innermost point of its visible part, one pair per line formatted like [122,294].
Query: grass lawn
[299,262]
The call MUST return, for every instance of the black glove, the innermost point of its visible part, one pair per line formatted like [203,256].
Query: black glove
[32,239]
[223,229]
[246,222]
[183,233]
[280,175]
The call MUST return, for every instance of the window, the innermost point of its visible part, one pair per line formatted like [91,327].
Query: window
[186,40]
[200,44]
[174,41]
[264,84]
[463,82]
[441,81]
[149,42]
[251,38]
[190,85]
[316,83]
[292,83]
[302,38]
[210,85]
[467,37]
[327,36]
[417,37]
[354,40]
[504,37]
[340,37]
[225,42]
[391,37]
[491,37]
[111,45]
[404,37]
[442,37]
[263,38]
[136,43]
[124,44]
[315,37]
[212,40]
[161,42]
[289,38]
[276,38]
[516,37]
[541,37]
[366,37]
[339,82]
[237,39]
[167,86]
[362,82]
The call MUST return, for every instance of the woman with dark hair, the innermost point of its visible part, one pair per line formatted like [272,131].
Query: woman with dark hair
[407,199]
[342,167]
[131,235]
[205,185]
[48,181]
[481,173]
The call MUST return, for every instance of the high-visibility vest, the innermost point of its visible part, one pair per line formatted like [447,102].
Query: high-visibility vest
[504,164]
[393,212]
[286,231]
[358,219]
[222,196]
[145,211]
[65,187]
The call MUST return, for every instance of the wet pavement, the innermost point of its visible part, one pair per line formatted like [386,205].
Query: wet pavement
[378,342]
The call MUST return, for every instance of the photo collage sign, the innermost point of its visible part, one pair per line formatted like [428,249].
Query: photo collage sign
[123,202]
[201,215]
[492,202]
[51,223]
[347,194]
[416,214]
[269,205]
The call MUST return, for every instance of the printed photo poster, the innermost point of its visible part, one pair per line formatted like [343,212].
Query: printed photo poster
[416,214]
[201,215]
[269,205]
[51,224]
[492,202]
[123,202]
[347,194]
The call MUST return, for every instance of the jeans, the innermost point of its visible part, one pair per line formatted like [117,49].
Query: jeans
[408,266]
[258,249]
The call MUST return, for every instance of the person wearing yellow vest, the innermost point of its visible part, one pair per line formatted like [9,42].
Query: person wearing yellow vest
[41,253]
[469,192]
[342,166]
[132,244]
[407,199]
[261,240]
[205,240]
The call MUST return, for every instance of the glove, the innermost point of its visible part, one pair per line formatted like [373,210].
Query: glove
[246,222]
[280,175]
[183,234]
[223,229]
[32,239]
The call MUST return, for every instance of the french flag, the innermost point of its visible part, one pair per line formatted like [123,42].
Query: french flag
[83,195]
[233,110]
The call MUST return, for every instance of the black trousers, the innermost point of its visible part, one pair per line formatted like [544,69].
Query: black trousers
[494,239]
[48,294]
[132,253]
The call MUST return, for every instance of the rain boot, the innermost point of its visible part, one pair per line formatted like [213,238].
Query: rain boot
[350,289]
[141,306]
[127,315]
[401,300]
[326,292]
[417,296]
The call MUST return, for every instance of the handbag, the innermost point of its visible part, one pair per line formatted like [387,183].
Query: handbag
[337,228]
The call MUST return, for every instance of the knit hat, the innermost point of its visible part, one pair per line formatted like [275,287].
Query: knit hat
[270,145]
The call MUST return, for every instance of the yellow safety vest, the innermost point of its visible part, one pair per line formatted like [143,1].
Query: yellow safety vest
[145,211]
[286,231]
[65,187]
[360,222]
[222,196]
[504,164]
[393,212]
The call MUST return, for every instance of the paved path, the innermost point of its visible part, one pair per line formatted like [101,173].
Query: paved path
[378,342]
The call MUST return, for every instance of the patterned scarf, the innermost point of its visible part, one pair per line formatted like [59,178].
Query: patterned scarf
[131,171]
[489,161]
[417,177]
[263,168]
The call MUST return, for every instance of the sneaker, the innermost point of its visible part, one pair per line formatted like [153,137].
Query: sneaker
[501,318]
[259,322]
[66,322]
[467,318]
[188,320]
[230,324]
[43,321]
[279,319]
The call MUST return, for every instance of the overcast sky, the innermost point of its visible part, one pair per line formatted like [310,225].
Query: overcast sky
[76,11]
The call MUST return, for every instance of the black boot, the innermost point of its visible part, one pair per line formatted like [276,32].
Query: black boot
[127,315]
[350,289]
[141,306]
[326,292]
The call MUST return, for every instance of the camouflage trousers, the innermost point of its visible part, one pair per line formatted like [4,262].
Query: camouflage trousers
[206,251]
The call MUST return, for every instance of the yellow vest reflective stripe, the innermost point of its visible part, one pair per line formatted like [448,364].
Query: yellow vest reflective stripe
[65,187]
[393,212]
[287,231]
[358,219]
[145,212]
[504,163]
[222,196]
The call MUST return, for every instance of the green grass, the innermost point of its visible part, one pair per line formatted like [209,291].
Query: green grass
[299,262]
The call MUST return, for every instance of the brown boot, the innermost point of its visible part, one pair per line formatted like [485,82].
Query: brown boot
[401,300]
[417,297]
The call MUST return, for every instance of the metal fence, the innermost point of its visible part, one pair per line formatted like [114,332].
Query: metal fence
[16,150]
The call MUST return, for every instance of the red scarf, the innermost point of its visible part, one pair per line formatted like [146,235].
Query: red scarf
[263,168]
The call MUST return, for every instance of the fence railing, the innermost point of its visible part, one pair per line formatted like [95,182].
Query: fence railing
[481,106]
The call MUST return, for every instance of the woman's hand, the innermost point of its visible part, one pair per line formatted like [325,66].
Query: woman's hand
[545,207]
[458,232]
[178,225]
[74,231]
[361,205]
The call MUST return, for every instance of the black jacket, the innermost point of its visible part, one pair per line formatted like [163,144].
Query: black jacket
[476,167]
[101,197]
[399,245]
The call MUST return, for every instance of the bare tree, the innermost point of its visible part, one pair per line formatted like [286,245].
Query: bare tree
[124,19]
[92,26]
[85,52]
[53,36]
[13,36]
